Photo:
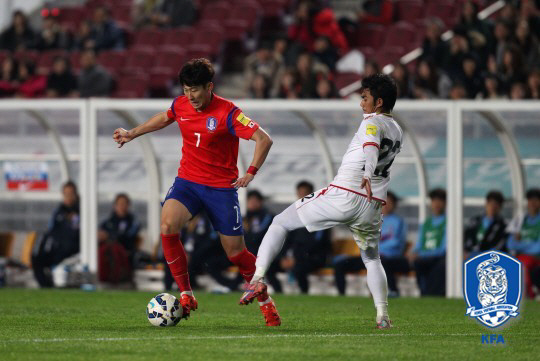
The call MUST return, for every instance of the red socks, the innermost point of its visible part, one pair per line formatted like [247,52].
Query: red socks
[245,261]
[175,256]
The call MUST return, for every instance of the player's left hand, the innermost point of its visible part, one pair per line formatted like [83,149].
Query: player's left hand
[244,181]
[366,183]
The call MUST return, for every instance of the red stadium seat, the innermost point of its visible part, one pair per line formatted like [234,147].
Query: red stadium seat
[344,79]
[272,8]
[409,10]
[235,29]
[179,37]
[247,10]
[369,53]
[113,61]
[26,55]
[401,34]
[72,15]
[75,60]
[138,61]
[198,51]
[149,37]
[371,35]
[389,55]
[213,9]
[122,13]
[444,11]
[170,59]
[209,35]
[131,86]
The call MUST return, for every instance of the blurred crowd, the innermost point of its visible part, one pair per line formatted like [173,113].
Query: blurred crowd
[494,58]
[304,253]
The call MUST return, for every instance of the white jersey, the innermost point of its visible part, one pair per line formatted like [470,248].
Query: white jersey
[381,131]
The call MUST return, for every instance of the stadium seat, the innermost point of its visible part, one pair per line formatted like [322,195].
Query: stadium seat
[113,61]
[235,29]
[149,37]
[198,51]
[389,55]
[26,55]
[371,35]
[248,10]
[409,10]
[170,59]
[179,37]
[132,86]
[443,10]
[122,13]
[209,35]
[213,9]
[138,61]
[72,15]
[343,79]
[75,60]
[272,8]
[401,34]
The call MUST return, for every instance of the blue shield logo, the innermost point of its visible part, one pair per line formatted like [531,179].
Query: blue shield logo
[211,124]
[492,287]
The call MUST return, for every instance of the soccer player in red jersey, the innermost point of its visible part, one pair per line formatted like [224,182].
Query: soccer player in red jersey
[208,177]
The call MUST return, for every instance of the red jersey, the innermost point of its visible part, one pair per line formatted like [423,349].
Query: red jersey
[210,140]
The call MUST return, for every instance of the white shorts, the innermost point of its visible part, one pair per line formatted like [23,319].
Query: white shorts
[332,206]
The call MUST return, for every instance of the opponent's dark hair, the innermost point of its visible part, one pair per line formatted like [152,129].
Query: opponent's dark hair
[381,86]
[255,193]
[438,193]
[394,197]
[196,72]
[533,193]
[305,184]
[122,195]
[495,195]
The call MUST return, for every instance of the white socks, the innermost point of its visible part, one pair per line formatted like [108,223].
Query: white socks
[274,239]
[376,280]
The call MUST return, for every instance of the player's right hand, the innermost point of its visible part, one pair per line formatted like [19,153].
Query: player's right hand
[121,136]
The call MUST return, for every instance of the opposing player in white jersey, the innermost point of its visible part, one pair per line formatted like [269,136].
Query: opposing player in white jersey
[355,197]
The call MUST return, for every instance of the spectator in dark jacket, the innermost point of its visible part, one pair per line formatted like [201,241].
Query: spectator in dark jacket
[93,78]
[308,251]
[52,35]
[108,35]
[118,242]
[19,36]
[8,77]
[61,81]
[434,47]
[488,231]
[61,240]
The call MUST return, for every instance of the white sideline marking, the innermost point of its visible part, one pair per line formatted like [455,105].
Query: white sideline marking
[229,337]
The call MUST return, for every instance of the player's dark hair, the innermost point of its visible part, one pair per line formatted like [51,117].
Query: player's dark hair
[495,195]
[381,86]
[70,184]
[196,72]
[120,196]
[305,184]
[438,193]
[255,193]
[394,197]
[533,193]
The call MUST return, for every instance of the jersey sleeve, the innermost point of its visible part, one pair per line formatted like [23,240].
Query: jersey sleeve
[171,112]
[370,134]
[240,125]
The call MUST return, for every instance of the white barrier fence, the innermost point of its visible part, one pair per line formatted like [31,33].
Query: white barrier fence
[74,138]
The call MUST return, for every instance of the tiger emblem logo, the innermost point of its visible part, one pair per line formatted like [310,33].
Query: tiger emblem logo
[493,284]
[492,287]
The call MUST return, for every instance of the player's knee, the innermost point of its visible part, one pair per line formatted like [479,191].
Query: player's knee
[168,227]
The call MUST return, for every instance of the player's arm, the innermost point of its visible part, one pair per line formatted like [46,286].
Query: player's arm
[263,142]
[372,154]
[157,122]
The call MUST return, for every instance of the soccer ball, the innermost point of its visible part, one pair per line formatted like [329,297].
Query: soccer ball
[164,310]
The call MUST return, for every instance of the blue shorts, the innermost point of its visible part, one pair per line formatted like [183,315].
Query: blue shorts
[221,204]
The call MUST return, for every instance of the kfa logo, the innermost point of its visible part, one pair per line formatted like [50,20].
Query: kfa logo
[211,124]
[492,287]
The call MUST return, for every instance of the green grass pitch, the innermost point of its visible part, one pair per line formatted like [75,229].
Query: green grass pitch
[112,325]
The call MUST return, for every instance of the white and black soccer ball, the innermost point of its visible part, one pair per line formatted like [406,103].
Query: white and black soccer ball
[164,310]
